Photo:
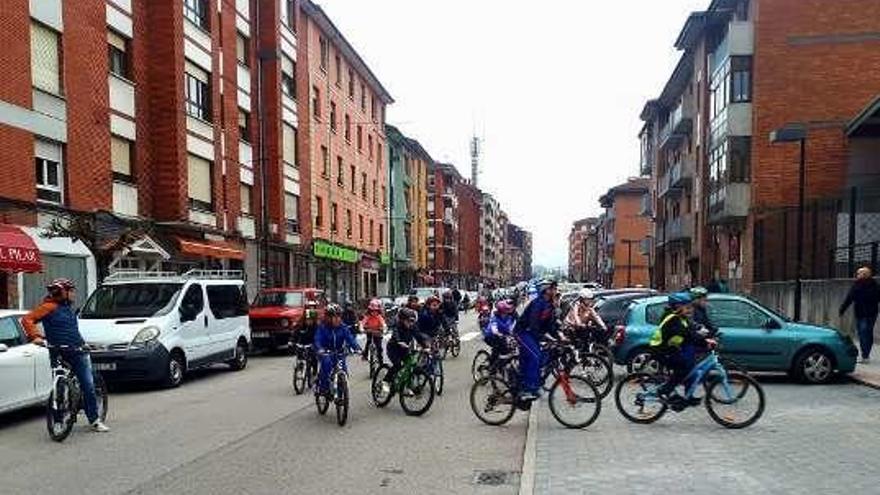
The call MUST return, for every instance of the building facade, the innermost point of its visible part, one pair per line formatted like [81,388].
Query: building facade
[492,230]
[470,241]
[443,228]
[621,230]
[518,254]
[582,254]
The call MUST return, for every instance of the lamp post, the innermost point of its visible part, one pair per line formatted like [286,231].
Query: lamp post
[629,259]
[790,134]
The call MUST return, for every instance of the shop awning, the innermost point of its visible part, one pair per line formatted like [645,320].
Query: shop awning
[18,253]
[211,249]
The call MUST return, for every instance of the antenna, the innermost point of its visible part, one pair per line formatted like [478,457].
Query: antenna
[475,160]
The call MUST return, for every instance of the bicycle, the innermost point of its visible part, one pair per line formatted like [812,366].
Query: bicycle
[338,392]
[483,364]
[305,368]
[495,398]
[451,340]
[65,399]
[412,384]
[375,359]
[722,388]
[432,363]
[591,366]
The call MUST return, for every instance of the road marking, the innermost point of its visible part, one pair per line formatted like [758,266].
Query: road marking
[469,336]
[530,454]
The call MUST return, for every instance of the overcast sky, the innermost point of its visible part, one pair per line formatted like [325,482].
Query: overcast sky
[554,88]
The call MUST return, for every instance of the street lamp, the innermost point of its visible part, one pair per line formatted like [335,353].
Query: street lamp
[796,133]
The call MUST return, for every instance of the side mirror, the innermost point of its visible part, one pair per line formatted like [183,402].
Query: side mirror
[4,347]
[771,324]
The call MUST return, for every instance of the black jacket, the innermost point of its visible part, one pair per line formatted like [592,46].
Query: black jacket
[864,295]
[701,319]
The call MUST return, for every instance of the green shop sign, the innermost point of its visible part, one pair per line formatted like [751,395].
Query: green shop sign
[333,252]
[385,258]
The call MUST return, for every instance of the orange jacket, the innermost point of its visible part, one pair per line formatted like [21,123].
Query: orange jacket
[373,323]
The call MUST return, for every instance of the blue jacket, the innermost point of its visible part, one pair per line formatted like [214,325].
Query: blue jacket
[430,323]
[539,319]
[59,323]
[499,325]
[334,339]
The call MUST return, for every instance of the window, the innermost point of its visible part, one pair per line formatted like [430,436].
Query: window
[371,231]
[348,223]
[333,116]
[291,212]
[741,79]
[288,76]
[373,108]
[334,209]
[49,171]
[325,52]
[363,98]
[347,128]
[381,234]
[378,152]
[197,12]
[319,212]
[340,175]
[120,158]
[361,227]
[338,61]
[360,138]
[370,146]
[10,334]
[375,199]
[316,103]
[246,200]
[290,14]
[241,49]
[325,160]
[736,314]
[288,143]
[353,174]
[193,301]
[384,199]
[117,54]
[364,185]
[351,84]
[198,93]
[244,125]
[45,61]
[199,181]
[227,301]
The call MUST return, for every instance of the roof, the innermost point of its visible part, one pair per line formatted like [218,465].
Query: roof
[691,31]
[677,82]
[449,168]
[635,185]
[867,121]
[315,11]
[649,110]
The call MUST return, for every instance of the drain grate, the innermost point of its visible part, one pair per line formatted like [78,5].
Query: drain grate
[496,478]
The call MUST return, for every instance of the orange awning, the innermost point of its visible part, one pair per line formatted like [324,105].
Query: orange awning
[18,253]
[211,249]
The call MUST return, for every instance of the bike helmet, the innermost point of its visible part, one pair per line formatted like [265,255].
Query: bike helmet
[408,314]
[586,295]
[544,284]
[333,310]
[447,295]
[432,298]
[680,299]
[375,305]
[699,292]
[61,284]
[503,307]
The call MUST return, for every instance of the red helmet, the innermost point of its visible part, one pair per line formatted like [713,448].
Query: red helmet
[375,305]
[503,307]
[61,284]
[432,298]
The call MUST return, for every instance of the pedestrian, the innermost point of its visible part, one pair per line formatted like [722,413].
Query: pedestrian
[864,295]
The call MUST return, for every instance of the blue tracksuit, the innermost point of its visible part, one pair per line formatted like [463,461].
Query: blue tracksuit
[495,333]
[333,340]
[540,319]
[430,325]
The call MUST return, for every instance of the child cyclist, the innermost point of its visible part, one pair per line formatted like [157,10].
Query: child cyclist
[331,340]
[499,330]
[374,326]
[402,342]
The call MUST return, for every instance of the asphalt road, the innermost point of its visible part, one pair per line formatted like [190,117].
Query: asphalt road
[246,432]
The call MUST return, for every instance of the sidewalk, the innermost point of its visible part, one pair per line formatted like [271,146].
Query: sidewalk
[867,374]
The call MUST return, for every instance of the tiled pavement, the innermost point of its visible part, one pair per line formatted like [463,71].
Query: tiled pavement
[868,374]
[811,439]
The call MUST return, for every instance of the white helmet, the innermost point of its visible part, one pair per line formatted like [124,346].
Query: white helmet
[586,295]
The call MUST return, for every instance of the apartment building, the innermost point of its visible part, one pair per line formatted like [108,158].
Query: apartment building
[724,197]
[470,241]
[343,138]
[492,231]
[582,250]
[518,254]
[443,227]
[621,228]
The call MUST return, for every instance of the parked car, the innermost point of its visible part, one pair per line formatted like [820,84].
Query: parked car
[424,292]
[754,336]
[612,308]
[25,372]
[276,314]
[569,297]
[149,326]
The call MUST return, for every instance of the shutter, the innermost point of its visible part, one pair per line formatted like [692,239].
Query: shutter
[291,206]
[246,199]
[287,65]
[199,183]
[44,59]
[288,138]
[115,40]
[197,72]
[120,155]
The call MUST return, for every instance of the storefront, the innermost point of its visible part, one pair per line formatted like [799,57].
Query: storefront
[336,270]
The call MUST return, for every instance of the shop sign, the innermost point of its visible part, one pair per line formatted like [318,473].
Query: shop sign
[330,251]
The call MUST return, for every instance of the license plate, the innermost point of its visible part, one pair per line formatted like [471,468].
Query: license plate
[260,335]
[104,366]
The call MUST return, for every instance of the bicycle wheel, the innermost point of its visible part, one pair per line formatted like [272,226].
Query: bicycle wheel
[737,403]
[299,377]
[480,365]
[639,391]
[456,347]
[374,358]
[596,369]
[417,397]
[101,395]
[59,418]
[439,378]
[341,399]
[380,389]
[492,400]
[604,352]
[311,375]
[574,401]
[323,403]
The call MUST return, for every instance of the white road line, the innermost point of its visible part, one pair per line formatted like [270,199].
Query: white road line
[469,336]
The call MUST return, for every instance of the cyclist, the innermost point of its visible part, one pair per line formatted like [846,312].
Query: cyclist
[430,321]
[349,315]
[373,324]
[331,339]
[499,330]
[582,317]
[700,296]
[484,312]
[60,325]
[537,323]
[305,334]
[412,302]
[672,339]
[403,338]
[450,308]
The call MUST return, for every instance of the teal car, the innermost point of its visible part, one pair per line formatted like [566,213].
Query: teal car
[755,337]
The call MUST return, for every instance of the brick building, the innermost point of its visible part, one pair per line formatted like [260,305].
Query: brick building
[470,241]
[582,251]
[621,230]
[518,255]
[748,68]
[443,226]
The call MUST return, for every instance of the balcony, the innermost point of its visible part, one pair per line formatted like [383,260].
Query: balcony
[729,203]
[678,176]
[679,230]
[735,120]
[646,208]
[679,125]
[645,246]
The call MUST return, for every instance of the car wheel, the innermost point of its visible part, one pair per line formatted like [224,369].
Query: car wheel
[175,370]
[239,360]
[814,365]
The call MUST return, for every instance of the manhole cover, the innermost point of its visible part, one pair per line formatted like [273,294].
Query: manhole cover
[495,478]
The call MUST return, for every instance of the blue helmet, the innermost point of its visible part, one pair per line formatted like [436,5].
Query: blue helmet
[680,299]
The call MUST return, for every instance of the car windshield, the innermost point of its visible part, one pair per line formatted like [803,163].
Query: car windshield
[131,300]
[289,299]
[424,292]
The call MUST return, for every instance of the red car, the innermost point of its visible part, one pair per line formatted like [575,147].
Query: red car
[276,314]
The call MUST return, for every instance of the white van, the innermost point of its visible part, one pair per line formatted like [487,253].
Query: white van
[155,326]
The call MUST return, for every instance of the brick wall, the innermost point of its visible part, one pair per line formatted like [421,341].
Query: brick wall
[469,208]
[628,224]
[17,149]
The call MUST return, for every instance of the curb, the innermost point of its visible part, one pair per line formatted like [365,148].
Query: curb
[867,383]
[527,477]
